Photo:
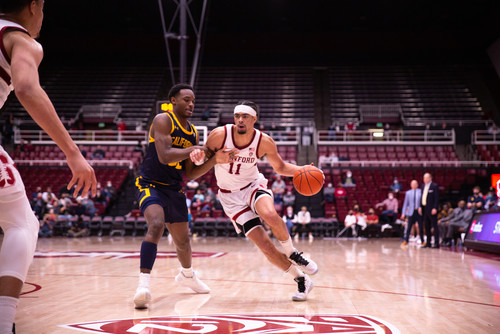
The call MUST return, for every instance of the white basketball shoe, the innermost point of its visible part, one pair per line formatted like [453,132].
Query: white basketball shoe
[193,283]
[308,266]
[142,294]
[304,286]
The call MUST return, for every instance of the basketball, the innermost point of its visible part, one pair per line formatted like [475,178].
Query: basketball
[308,180]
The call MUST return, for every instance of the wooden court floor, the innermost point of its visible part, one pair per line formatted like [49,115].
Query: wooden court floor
[363,286]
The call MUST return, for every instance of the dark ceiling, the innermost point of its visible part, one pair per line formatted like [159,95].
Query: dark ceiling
[277,31]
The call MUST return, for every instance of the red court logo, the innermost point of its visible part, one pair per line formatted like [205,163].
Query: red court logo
[121,255]
[242,324]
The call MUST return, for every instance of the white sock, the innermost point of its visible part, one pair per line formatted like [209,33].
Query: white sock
[8,306]
[144,279]
[294,271]
[288,246]
[188,272]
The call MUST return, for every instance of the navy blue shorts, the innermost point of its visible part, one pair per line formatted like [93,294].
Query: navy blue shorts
[172,201]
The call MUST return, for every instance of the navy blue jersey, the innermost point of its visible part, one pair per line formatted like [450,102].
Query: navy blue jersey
[152,170]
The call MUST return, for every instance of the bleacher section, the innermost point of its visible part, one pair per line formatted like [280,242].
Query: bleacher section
[489,152]
[280,92]
[424,93]
[135,89]
[384,153]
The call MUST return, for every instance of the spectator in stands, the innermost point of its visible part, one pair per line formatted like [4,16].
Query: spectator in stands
[307,132]
[192,185]
[39,206]
[289,199]
[348,180]
[330,160]
[350,222]
[121,127]
[332,131]
[428,209]
[37,191]
[78,229]
[65,200]
[209,195]
[217,204]
[455,216]
[459,224]
[66,211]
[199,196]
[99,153]
[47,224]
[278,188]
[80,209]
[101,197]
[82,151]
[476,196]
[201,208]
[52,202]
[490,199]
[329,193]
[290,218]
[140,147]
[302,226]
[47,193]
[64,190]
[411,204]
[350,126]
[90,209]
[206,113]
[360,217]
[372,224]
[340,192]
[110,191]
[390,206]
[493,129]
[396,187]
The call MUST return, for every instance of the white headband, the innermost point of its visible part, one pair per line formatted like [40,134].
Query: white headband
[244,109]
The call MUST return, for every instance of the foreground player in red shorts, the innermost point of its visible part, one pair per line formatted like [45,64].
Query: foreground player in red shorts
[20,23]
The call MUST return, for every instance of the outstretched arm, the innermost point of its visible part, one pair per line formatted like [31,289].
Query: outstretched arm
[26,55]
[268,148]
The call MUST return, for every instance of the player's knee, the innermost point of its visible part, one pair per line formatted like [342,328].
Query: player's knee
[156,227]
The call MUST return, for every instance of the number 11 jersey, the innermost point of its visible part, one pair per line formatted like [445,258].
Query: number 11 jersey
[243,170]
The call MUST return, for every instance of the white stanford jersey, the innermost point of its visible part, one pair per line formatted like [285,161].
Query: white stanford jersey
[240,173]
[5,73]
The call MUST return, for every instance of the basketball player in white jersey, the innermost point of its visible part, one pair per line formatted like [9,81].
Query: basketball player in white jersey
[244,195]
[20,23]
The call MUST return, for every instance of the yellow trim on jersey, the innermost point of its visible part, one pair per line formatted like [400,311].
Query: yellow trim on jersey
[147,194]
[180,125]
[173,123]
[195,132]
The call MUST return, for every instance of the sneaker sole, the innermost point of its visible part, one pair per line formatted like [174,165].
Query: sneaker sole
[141,302]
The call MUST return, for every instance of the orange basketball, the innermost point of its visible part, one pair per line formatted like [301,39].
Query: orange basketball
[308,180]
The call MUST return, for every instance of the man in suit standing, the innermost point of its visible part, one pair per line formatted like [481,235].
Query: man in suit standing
[411,204]
[429,209]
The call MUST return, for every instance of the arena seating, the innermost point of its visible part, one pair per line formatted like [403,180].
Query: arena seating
[134,88]
[52,152]
[278,91]
[489,152]
[422,92]
[390,153]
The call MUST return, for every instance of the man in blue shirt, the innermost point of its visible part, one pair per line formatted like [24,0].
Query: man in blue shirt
[410,210]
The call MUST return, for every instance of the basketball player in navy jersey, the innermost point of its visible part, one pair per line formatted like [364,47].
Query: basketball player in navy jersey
[244,195]
[20,56]
[171,140]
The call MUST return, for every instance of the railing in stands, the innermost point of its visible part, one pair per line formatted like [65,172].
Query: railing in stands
[485,137]
[105,137]
[449,122]
[409,163]
[101,163]
[390,137]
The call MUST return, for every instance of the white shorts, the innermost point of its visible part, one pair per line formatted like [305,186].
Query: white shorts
[17,220]
[240,205]
[10,179]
